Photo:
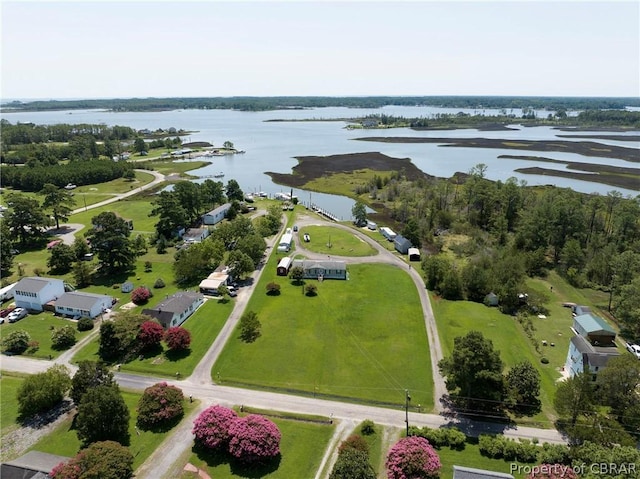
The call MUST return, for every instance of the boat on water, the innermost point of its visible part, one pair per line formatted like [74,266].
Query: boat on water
[219,175]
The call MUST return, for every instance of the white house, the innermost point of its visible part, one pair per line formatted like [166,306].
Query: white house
[388,233]
[195,235]
[175,310]
[216,216]
[86,305]
[34,292]
[323,269]
[592,346]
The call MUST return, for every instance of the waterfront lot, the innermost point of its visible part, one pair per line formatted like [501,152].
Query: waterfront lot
[360,340]
[334,241]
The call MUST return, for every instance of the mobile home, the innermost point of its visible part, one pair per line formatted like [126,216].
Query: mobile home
[284,266]
[285,242]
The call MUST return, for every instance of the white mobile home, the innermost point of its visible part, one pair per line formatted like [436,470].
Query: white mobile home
[285,242]
[86,305]
[216,216]
[34,292]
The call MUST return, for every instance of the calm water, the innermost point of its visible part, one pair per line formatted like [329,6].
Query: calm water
[272,146]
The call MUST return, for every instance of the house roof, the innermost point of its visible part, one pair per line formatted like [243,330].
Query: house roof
[210,283]
[592,323]
[219,209]
[413,251]
[401,240]
[595,356]
[325,264]
[34,284]
[194,232]
[176,303]
[38,463]
[461,472]
[80,300]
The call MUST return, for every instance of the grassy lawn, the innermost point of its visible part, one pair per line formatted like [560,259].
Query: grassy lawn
[64,440]
[302,447]
[328,240]
[470,457]
[351,341]
[204,327]
[8,403]
[39,327]
[457,318]
[344,184]
[377,237]
[137,209]
[374,441]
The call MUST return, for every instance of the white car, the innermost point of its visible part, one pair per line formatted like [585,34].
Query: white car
[634,349]
[16,315]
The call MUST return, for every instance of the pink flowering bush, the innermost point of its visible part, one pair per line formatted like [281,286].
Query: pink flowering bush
[552,471]
[160,405]
[254,438]
[412,458]
[150,334]
[177,338]
[211,428]
[101,460]
[141,295]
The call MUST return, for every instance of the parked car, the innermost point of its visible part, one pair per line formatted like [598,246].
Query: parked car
[233,292]
[16,315]
[307,238]
[6,311]
[634,349]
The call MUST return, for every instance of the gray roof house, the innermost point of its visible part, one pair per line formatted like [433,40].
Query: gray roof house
[79,304]
[34,292]
[195,235]
[323,269]
[584,356]
[32,465]
[175,309]
[217,215]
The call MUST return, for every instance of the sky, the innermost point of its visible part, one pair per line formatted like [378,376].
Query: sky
[108,49]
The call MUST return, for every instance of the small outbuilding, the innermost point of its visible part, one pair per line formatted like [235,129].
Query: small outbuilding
[414,254]
[284,266]
[126,287]
[491,299]
[402,244]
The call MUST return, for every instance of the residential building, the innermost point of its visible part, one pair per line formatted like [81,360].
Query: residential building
[388,233]
[323,269]
[34,292]
[592,346]
[217,215]
[284,265]
[175,309]
[32,465]
[460,472]
[79,304]
[285,242]
[195,235]
[402,244]
[216,279]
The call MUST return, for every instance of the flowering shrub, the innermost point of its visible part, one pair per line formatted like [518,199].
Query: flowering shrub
[141,295]
[552,471]
[354,442]
[150,334]
[104,460]
[254,438]
[211,428]
[160,404]
[177,338]
[412,458]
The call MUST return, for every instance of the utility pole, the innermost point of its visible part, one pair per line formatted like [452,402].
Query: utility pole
[407,398]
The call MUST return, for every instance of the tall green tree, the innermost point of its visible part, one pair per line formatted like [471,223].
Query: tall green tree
[240,264]
[6,247]
[139,145]
[617,387]
[59,201]
[61,259]
[172,215]
[233,191]
[26,219]
[574,397]
[90,374]
[103,416]
[627,309]
[523,385]
[110,241]
[359,212]
[474,373]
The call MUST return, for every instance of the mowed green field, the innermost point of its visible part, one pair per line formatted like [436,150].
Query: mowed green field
[334,241]
[9,386]
[363,339]
[457,318]
[302,447]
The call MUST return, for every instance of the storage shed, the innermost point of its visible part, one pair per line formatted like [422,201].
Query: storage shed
[414,254]
[284,266]
[402,244]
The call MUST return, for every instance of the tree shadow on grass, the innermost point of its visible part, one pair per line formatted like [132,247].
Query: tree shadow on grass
[238,468]
[109,279]
[176,355]
[40,420]
[151,352]
[162,427]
